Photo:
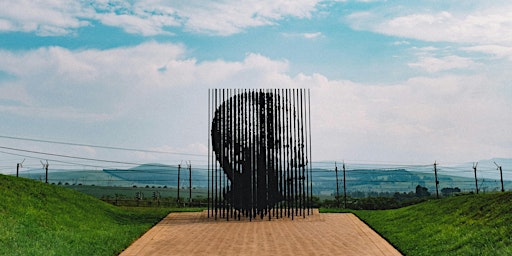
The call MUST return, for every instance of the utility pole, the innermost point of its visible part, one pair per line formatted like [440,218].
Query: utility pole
[18,166]
[45,166]
[179,170]
[501,177]
[476,181]
[189,182]
[344,188]
[337,187]
[437,182]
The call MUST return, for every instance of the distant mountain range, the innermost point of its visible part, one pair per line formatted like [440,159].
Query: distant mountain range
[359,178]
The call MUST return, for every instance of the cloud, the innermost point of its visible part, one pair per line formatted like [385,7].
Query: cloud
[312,35]
[83,81]
[484,25]
[446,117]
[151,93]
[496,50]
[433,64]
[402,42]
[47,18]
[61,17]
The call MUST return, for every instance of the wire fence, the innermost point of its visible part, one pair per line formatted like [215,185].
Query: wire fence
[329,179]
[122,180]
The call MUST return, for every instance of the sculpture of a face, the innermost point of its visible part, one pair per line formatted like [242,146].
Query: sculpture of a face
[258,140]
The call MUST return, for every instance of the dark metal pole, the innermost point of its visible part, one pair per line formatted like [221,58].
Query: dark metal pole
[209,150]
[476,180]
[337,186]
[189,182]
[178,197]
[310,146]
[223,154]
[437,182]
[501,177]
[215,177]
[344,188]
[302,164]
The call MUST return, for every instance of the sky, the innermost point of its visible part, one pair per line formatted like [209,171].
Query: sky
[391,81]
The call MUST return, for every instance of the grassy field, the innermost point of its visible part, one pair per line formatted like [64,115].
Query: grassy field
[461,225]
[42,219]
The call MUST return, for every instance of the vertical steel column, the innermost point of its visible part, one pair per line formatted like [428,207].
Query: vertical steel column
[309,150]
[289,154]
[209,150]
[301,155]
[217,129]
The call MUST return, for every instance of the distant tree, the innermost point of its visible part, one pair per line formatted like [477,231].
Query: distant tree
[422,191]
[449,191]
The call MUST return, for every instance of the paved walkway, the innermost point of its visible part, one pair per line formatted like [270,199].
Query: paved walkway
[317,234]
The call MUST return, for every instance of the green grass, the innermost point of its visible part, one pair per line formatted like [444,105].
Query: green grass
[42,219]
[463,225]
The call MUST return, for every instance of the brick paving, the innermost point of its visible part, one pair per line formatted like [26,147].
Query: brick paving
[317,234]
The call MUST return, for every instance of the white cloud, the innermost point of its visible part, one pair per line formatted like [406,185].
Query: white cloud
[149,93]
[402,42]
[496,50]
[229,17]
[433,64]
[445,118]
[312,35]
[56,17]
[60,17]
[485,25]
[85,80]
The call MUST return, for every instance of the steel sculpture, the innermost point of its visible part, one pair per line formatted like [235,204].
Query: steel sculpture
[260,153]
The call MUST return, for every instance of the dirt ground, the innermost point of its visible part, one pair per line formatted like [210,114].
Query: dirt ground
[317,234]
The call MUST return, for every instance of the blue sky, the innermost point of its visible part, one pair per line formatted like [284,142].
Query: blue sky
[391,81]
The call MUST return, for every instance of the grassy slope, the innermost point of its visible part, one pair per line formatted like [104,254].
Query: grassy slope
[43,219]
[463,225]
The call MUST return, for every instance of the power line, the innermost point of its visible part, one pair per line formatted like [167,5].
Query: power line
[72,157]
[53,160]
[99,146]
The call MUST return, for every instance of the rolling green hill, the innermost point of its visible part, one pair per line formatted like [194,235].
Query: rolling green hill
[44,219]
[461,225]
[360,182]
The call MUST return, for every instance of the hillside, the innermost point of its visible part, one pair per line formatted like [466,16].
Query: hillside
[461,225]
[361,181]
[43,219]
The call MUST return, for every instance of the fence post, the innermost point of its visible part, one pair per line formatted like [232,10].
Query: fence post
[45,166]
[18,166]
[189,182]
[178,197]
[501,177]
[337,187]
[437,182]
[476,180]
[344,188]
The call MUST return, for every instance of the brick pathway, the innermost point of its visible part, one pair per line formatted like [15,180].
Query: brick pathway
[317,234]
